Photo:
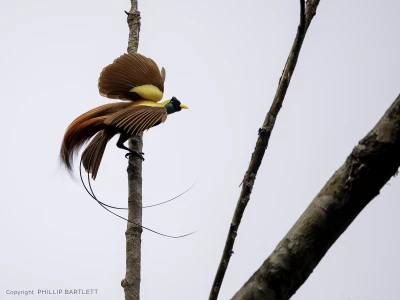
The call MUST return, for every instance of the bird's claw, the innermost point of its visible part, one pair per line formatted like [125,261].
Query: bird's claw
[135,153]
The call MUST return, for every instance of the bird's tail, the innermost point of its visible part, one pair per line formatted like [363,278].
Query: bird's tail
[83,128]
[93,154]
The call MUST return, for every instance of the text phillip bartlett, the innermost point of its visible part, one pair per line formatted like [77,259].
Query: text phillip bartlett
[68,292]
[55,292]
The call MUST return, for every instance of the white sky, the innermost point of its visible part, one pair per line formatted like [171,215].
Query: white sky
[224,60]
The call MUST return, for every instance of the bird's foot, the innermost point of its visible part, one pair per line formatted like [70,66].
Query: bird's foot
[135,153]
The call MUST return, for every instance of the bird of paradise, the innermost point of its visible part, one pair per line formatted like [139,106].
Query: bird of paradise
[138,81]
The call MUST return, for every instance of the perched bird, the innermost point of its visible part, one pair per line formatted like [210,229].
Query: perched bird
[135,79]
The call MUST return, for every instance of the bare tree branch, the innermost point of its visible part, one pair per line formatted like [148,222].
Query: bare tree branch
[134,27]
[133,233]
[366,170]
[306,15]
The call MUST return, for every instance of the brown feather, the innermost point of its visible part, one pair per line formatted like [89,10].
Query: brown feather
[136,119]
[150,119]
[83,128]
[94,151]
[76,136]
[129,71]
[138,122]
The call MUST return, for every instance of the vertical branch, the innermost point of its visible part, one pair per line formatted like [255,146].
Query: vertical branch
[133,233]
[134,27]
[264,133]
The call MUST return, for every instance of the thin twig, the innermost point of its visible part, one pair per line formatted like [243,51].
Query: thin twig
[133,234]
[264,133]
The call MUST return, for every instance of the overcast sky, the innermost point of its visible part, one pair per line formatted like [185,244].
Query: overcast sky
[223,59]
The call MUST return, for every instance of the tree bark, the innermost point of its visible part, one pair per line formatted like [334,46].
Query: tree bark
[133,233]
[366,170]
[307,12]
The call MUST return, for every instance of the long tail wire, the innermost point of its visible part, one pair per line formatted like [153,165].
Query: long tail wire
[91,193]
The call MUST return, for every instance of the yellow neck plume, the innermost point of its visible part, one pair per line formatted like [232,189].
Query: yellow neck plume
[148,91]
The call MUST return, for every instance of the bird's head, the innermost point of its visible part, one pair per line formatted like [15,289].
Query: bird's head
[174,105]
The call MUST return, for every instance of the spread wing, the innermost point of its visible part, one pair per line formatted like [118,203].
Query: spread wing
[132,77]
[136,119]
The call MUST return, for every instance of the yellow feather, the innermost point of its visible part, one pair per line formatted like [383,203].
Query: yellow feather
[147,103]
[148,91]
[163,103]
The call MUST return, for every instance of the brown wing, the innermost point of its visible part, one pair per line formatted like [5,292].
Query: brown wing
[129,71]
[136,119]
